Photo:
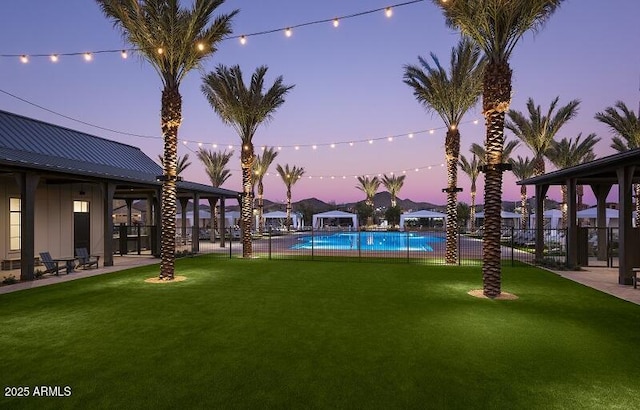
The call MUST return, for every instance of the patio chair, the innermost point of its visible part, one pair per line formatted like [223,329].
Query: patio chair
[85,260]
[48,262]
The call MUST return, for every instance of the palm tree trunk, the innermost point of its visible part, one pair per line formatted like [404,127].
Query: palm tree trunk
[564,210]
[288,221]
[495,101]
[394,201]
[523,205]
[260,206]
[472,210]
[246,208]
[171,117]
[452,148]
[636,187]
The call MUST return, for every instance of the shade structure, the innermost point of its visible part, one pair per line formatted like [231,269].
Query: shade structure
[611,216]
[552,218]
[277,220]
[335,219]
[508,218]
[422,214]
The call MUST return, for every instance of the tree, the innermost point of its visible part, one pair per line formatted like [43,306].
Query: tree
[568,153]
[215,165]
[625,126]
[507,150]
[522,168]
[174,40]
[471,168]
[260,168]
[392,215]
[182,164]
[464,212]
[289,176]
[538,131]
[496,26]
[394,185]
[369,186]
[450,94]
[244,108]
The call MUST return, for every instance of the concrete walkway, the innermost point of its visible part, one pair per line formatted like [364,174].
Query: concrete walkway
[599,278]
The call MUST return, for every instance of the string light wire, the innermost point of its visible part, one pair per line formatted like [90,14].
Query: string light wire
[24,57]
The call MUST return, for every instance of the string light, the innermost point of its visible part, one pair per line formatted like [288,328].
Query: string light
[88,57]
[243,38]
[54,58]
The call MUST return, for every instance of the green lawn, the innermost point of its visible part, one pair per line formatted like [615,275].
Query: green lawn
[292,334]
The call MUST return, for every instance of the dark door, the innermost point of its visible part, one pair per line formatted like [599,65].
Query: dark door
[82,229]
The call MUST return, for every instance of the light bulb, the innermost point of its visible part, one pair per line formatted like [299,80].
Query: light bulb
[24,59]
[388,12]
[200,47]
[124,54]
[88,57]
[243,40]
[288,32]
[336,22]
[54,58]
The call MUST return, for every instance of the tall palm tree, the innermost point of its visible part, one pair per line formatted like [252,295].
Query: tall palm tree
[215,165]
[538,131]
[522,168]
[471,168]
[450,94]
[496,26]
[182,164]
[625,126]
[260,168]
[174,40]
[568,153]
[369,186]
[244,108]
[393,184]
[507,150]
[289,176]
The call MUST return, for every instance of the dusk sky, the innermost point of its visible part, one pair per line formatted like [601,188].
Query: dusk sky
[348,86]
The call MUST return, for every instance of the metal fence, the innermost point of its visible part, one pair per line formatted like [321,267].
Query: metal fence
[423,247]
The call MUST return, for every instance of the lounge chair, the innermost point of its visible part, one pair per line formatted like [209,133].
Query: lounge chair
[85,260]
[51,265]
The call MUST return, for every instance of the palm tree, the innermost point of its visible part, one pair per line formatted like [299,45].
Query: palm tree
[369,186]
[450,94]
[244,108]
[496,26]
[182,164]
[289,176]
[471,168]
[522,168]
[507,150]
[394,185]
[260,168]
[568,153]
[215,165]
[625,126]
[538,131]
[174,41]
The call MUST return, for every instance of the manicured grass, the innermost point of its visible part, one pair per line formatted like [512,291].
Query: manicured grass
[293,334]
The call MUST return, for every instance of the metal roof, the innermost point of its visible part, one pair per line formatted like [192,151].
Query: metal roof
[28,143]
[599,170]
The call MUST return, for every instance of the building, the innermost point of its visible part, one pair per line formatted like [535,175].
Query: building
[58,187]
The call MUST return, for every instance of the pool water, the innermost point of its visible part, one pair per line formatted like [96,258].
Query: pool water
[369,241]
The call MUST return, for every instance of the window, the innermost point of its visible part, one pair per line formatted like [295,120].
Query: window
[15,215]
[81,206]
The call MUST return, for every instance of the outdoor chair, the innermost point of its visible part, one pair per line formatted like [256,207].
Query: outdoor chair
[48,262]
[85,260]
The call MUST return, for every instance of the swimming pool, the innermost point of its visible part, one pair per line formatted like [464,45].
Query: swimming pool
[369,241]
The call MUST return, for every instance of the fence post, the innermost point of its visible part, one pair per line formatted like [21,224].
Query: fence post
[270,236]
[459,247]
[312,241]
[359,247]
[407,238]
[512,246]
[230,240]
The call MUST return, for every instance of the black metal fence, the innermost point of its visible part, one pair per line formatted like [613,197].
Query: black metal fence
[423,247]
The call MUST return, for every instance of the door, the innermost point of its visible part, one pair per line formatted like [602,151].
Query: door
[81,225]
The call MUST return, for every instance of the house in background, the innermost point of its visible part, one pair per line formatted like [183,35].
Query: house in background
[58,187]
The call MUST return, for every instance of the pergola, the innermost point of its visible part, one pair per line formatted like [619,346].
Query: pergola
[601,175]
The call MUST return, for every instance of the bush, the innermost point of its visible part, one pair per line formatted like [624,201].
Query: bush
[10,280]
